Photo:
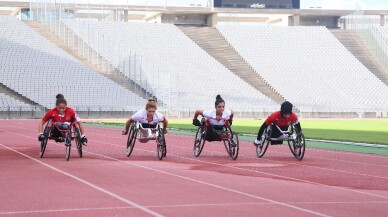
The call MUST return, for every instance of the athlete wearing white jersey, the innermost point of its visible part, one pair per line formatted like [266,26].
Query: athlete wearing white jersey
[148,117]
[216,117]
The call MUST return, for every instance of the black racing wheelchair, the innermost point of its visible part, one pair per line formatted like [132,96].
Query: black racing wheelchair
[220,133]
[62,132]
[145,134]
[295,140]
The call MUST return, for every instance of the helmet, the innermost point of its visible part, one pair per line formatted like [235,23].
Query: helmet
[286,108]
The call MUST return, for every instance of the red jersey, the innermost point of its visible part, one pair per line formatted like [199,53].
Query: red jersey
[69,116]
[278,119]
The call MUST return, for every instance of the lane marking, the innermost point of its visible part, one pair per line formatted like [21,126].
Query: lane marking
[162,172]
[87,183]
[186,205]
[246,169]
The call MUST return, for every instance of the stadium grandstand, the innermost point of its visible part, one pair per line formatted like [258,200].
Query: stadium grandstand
[107,59]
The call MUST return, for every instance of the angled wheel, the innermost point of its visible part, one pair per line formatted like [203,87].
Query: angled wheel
[161,145]
[68,145]
[77,135]
[43,143]
[199,141]
[265,141]
[234,146]
[131,140]
[298,146]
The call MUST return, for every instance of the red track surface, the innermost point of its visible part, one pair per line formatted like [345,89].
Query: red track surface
[107,183]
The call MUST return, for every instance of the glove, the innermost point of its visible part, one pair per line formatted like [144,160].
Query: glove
[84,139]
[196,122]
[41,137]
[257,142]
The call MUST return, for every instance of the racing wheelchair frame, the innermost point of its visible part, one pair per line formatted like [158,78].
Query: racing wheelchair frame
[225,134]
[66,137]
[137,131]
[295,140]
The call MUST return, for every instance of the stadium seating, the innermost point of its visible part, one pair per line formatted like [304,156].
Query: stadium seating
[309,67]
[37,69]
[163,59]
[6,101]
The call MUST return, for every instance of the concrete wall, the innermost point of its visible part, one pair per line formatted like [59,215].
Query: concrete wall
[318,21]
[188,19]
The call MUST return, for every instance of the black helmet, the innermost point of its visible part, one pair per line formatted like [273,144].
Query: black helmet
[286,108]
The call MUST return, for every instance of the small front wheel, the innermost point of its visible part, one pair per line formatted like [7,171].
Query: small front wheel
[131,139]
[43,143]
[161,145]
[199,141]
[234,146]
[78,141]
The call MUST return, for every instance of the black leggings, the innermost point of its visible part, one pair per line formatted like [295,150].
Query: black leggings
[211,134]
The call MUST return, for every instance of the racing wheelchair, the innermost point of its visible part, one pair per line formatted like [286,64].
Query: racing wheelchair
[66,133]
[222,133]
[145,134]
[295,140]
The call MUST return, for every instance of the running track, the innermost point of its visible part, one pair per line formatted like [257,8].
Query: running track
[107,183]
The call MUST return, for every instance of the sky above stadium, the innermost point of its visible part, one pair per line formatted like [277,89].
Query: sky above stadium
[305,4]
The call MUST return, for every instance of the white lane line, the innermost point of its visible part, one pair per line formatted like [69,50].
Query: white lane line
[162,172]
[254,171]
[188,205]
[88,183]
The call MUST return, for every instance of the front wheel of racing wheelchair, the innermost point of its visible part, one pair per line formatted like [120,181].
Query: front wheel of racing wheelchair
[77,137]
[199,140]
[161,144]
[297,145]
[43,143]
[265,141]
[131,139]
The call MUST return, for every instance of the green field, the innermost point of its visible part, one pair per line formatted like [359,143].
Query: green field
[364,131]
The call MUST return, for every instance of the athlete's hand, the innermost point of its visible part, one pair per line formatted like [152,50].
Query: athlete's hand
[124,132]
[41,137]
[196,122]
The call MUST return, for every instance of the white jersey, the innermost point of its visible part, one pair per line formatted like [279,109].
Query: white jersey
[141,116]
[211,116]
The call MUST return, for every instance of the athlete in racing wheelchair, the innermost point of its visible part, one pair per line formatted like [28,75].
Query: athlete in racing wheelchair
[145,125]
[216,126]
[281,126]
[62,121]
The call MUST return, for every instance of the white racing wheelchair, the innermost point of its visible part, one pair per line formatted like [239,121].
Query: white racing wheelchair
[295,140]
[145,134]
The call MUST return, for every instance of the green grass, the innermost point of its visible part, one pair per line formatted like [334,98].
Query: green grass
[365,131]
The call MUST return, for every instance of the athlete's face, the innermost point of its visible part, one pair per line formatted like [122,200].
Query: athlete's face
[61,108]
[150,112]
[220,108]
[286,115]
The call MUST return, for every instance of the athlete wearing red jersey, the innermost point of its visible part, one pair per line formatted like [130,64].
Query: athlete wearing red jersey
[62,117]
[282,119]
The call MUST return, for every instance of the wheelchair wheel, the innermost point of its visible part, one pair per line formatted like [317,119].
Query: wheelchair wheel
[266,140]
[199,141]
[43,143]
[68,145]
[131,139]
[298,146]
[233,146]
[161,145]
[77,136]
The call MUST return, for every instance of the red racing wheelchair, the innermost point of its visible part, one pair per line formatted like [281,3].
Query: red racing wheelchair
[62,132]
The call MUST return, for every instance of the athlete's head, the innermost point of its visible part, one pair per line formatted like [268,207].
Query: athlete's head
[60,103]
[286,109]
[151,107]
[219,104]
